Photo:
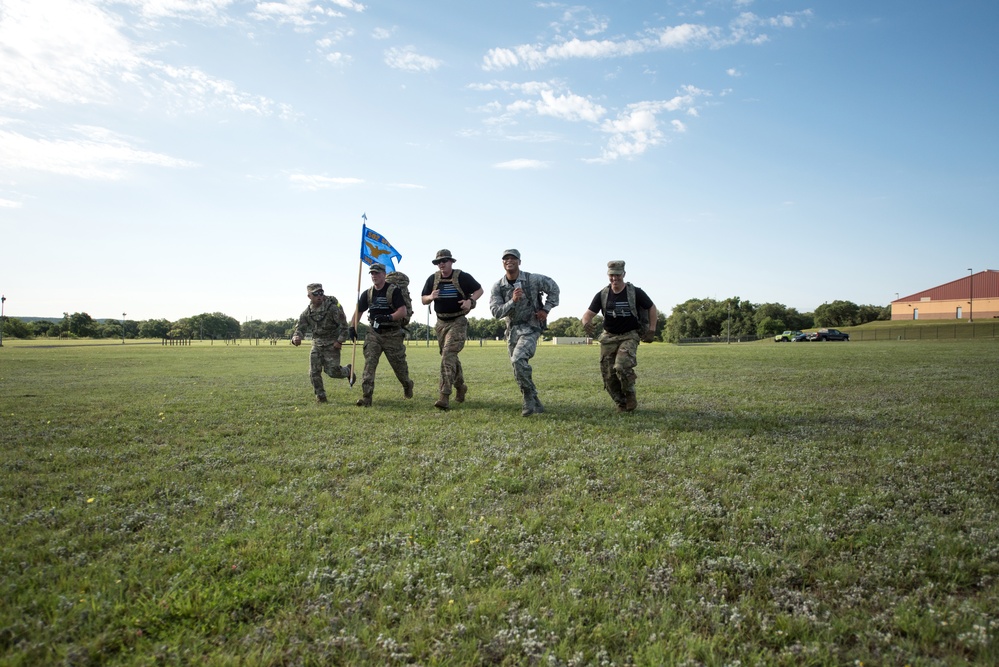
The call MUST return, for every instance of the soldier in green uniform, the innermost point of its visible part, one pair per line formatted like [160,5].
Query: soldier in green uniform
[325,319]
[629,317]
[386,310]
[453,293]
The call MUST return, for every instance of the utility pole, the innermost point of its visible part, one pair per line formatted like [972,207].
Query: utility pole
[971,295]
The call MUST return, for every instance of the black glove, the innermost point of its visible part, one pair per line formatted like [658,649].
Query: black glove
[382,319]
[352,334]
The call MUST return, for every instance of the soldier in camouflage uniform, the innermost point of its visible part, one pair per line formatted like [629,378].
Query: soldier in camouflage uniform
[325,319]
[516,297]
[623,329]
[385,335]
[453,293]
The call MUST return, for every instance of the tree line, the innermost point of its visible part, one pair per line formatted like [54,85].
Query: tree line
[695,318]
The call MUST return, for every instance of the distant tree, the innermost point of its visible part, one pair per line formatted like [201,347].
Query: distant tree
[81,324]
[16,328]
[768,326]
[870,313]
[45,328]
[566,327]
[214,326]
[153,328]
[837,314]
[489,328]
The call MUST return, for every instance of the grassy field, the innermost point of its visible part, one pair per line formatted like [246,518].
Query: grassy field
[767,504]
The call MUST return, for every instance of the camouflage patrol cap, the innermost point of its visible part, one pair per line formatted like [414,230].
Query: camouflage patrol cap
[615,267]
[511,251]
[442,255]
[314,287]
[377,267]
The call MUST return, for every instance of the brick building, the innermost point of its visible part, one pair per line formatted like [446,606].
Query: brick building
[973,297]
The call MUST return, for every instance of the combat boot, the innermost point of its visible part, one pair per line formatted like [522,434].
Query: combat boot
[528,407]
[630,401]
[364,401]
[407,389]
[444,402]
[459,393]
[321,398]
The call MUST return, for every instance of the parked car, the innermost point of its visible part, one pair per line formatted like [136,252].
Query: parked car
[800,338]
[828,334]
[786,337]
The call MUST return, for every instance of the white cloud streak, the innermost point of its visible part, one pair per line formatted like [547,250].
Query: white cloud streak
[315,182]
[522,163]
[94,154]
[746,28]
[407,59]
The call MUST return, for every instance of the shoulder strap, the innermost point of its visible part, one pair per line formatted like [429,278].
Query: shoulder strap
[603,299]
[632,298]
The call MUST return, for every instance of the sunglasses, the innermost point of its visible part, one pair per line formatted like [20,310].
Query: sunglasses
[318,292]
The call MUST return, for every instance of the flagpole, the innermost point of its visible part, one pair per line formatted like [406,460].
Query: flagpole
[360,264]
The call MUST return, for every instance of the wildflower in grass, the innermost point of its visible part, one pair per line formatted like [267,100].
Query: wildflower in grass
[90,500]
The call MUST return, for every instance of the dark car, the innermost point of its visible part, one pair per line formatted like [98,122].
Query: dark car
[828,334]
[800,338]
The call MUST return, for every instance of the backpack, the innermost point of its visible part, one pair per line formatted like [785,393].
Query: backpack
[455,274]
[643,313]
[397,280]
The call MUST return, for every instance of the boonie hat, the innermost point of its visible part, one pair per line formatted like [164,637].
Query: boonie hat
[314,287]
[442,255]
[615,267]
[377,267]
[511,251]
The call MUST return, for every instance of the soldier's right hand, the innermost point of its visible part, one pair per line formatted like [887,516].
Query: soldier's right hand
[352,334]
[296,341]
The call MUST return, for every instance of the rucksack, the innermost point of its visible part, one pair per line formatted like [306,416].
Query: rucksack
[643,313]
[397,280]
[455,273]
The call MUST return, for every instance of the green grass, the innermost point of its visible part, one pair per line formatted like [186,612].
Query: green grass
[766,504]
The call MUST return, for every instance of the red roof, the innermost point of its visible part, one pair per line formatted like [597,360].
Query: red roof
[985,286]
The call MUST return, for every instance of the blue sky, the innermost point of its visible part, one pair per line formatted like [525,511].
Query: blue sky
[166,158]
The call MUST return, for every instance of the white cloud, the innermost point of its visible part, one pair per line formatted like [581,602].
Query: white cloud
[7,203]
[94,153]
[382,33]
[316,182]
[302,14]
[733,72]
[568,107]
[70,52]
[61,51]
[407,59]
[744,29]
[522,163]
[207,10]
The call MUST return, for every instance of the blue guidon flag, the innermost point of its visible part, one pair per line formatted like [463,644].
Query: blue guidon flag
[376,248]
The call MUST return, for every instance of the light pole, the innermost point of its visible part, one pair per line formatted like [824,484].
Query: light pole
[971,296]
[729,338]
[3,300]
[123,328]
